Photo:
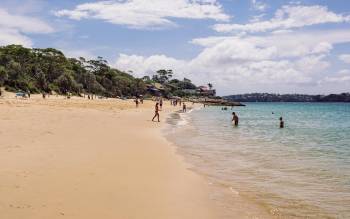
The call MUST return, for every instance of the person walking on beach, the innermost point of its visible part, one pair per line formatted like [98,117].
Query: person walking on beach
[235,118]
[137,102]
[184,108]
[141,99]
[156,112]
[281,123]
[161,103]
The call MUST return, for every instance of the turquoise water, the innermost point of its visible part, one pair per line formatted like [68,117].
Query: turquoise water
[301,171]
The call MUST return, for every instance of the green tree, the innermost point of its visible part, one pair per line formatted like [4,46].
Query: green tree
[46,70]
[3,75]
[66,83]
[164,75]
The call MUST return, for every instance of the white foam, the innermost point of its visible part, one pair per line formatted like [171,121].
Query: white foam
[183,120]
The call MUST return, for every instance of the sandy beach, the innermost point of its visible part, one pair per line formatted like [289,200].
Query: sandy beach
[79,158]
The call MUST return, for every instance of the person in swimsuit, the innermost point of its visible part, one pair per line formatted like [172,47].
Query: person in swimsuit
[156,112]
[281,123]
[235,118]
[161,103]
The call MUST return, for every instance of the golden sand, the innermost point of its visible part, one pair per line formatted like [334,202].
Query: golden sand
[84,159]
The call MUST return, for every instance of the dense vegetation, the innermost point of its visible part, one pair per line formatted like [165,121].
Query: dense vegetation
[48,70]
[265,97]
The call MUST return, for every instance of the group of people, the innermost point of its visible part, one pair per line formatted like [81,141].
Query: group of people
[175,102]
[159,105]
[235,120]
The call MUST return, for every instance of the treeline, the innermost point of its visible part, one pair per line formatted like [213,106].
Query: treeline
[169,85]
[48,70]
[266,97]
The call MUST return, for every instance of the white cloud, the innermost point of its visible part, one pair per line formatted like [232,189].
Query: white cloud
[344,72]
[146,13]
[343,76]
[288,17]
[23,23]
[287,44]
[247,63]
[77,53]
[12,36]
[14,27]
[259,5]
[257,18]
[148,65]
[345,58]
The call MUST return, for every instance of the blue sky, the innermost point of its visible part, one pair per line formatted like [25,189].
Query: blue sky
[238,45]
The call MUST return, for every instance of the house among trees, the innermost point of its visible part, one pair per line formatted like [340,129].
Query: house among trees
[205,91]
[155,89]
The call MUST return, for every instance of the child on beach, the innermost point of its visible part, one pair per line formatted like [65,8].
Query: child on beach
[156,112]
[235,118]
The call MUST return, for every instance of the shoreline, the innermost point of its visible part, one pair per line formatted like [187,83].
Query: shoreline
[231,202]
[93,159]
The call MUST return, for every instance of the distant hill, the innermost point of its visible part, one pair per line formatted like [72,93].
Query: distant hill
[48,70]
[266,97]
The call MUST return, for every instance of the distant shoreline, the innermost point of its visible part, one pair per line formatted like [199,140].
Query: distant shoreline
[267,97]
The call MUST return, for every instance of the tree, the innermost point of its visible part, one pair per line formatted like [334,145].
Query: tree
[210,86]
[46,70]
[66,83]
[146,78]
[187,80]
[163,75]
[3,75]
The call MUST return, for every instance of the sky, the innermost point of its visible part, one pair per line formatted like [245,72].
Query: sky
[240,46]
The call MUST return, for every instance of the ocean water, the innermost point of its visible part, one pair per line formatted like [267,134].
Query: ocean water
[301,171]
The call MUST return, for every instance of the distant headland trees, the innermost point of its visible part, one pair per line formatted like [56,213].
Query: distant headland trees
[266,97]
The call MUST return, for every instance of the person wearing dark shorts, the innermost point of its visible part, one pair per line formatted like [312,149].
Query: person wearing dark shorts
[281,123]
[235,118]
[161,103]
[156,112]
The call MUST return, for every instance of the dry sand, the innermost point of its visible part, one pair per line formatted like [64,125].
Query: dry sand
[92,159]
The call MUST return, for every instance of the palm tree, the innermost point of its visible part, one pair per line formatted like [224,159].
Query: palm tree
[210,85]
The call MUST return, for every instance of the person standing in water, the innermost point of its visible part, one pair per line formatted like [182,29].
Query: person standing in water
[235,118]
[184,108]
[281,123]
[156,112]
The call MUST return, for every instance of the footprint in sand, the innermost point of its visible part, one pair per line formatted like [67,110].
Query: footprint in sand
[20,206]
